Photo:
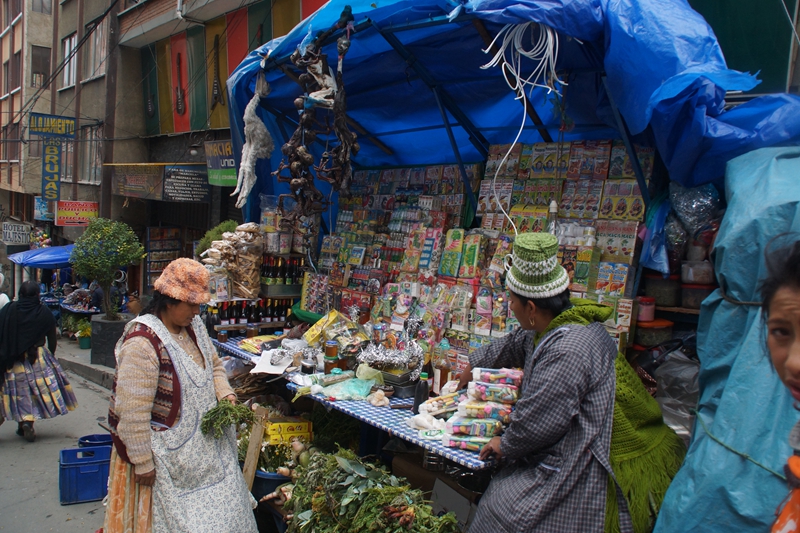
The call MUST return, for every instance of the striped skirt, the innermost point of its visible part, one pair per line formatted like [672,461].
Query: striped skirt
[38,390]
[129,505]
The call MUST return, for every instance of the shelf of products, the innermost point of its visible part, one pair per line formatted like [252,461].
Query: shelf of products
[162,245]
[235,316]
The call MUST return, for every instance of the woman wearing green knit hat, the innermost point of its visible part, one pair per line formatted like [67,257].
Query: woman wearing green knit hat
[564,469]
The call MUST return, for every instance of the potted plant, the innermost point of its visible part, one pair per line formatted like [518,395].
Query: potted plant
[84,334]
[104,247]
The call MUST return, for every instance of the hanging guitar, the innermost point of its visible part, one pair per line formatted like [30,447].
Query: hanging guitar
[217,96]
[180,95]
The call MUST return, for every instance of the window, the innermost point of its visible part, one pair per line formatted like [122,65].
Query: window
[68,46]
[16,70]
[67,160]
[13,142]
[35,146]
[11,8]
[91,155]
[43,6]
[40,65]
[6,77]
[96,46]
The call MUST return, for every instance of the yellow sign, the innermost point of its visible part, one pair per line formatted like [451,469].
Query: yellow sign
[76,213]
[52,126]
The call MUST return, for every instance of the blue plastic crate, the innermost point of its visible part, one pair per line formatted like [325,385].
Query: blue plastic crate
[95,440]
[266,482]
[83,474]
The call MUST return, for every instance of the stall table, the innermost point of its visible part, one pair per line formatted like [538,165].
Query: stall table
[231,347]
[80,310]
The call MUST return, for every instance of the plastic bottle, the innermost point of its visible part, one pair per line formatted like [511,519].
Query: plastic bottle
[441,366]
[421,393]
[552,224]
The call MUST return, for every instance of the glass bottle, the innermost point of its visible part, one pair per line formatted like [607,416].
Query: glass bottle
[215,321]
[441,366]
[552,221]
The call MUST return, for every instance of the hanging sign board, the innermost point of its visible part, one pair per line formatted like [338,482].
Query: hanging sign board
[221,164]
[138,181]
[186,184]
[76,213]
[14,233]
[51,170]
[51,126]
[40,211]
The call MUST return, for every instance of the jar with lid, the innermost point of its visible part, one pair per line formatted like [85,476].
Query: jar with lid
[344,361]
[222,336]
[251,331]
[331,349]
[647,309]
[331,363]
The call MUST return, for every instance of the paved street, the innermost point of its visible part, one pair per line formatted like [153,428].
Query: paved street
[29,500]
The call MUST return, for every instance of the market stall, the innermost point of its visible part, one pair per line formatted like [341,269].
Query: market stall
[430,165]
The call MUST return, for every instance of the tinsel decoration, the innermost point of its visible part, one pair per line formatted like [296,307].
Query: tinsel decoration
[354,312]
[379,357]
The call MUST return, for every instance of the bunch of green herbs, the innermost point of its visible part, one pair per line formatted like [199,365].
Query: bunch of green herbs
[224,415]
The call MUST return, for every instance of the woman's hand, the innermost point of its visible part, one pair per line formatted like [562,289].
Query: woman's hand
[231,398]
[465,377]
[147,479]
[492,448]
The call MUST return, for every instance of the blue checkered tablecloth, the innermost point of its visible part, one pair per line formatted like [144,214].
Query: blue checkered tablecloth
[231,347]
[393,421]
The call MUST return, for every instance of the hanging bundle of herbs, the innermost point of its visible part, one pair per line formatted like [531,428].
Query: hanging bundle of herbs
[224,415]
[341,494]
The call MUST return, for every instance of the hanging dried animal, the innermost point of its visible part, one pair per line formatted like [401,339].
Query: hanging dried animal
[258,143]
[324,90]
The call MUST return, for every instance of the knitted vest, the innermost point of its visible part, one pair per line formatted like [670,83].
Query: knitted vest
[167,402]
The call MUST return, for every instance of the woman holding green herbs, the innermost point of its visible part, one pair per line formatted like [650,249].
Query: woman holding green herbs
[165,474]
[586,450]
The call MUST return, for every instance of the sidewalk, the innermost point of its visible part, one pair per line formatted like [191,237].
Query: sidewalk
[77,361]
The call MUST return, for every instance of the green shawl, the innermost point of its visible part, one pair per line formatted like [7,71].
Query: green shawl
[645,453]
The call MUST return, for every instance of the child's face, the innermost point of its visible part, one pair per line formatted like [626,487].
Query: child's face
[783,337]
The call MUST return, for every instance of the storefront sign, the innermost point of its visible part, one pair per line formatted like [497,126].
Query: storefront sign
[221,164]
[76,213]
[186,184]
[40,211]
[52,126]
[16,233]
[51,170]
[138,181]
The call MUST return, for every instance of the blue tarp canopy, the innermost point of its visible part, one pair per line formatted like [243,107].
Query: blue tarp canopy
[52,257]
[663,64]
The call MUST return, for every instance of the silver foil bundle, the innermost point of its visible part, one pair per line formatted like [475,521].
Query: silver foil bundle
[379,357]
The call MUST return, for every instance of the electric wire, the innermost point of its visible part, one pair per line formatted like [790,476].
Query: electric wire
[543,52]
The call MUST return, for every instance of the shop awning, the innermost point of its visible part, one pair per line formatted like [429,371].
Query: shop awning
[52,257]
[663,66]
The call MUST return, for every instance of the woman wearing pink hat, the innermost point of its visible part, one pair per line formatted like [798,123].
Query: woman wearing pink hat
[165,475]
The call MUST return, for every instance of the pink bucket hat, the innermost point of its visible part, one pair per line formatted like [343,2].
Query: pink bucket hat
[185,280]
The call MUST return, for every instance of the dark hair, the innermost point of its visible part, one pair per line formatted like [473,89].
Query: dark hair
[783,270]
[158,304]
[555,304]
[29,289]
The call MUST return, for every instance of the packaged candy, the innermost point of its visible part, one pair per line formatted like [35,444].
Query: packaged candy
[490,392]
[508,376]
[477,427]
[476,409]
[470,444]
[446,403]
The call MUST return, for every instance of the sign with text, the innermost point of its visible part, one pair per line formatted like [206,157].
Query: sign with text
[51,170]
[221,164]
[14,233]
[186,183]
[138,181]
[52,126]
[76,213]
[40,211]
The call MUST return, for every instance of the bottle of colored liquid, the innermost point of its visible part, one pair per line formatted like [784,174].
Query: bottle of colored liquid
[421,393]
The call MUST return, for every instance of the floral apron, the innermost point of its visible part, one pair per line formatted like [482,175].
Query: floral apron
[199,487]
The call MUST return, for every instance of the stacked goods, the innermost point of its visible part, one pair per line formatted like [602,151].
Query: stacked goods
[239,254]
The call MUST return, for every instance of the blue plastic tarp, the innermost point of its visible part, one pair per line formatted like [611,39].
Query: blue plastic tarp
[742,402]
[51,257]
[664,66]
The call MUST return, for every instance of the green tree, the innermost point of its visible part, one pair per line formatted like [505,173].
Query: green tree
[103,248]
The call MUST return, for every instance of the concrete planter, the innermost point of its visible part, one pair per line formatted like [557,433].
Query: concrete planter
[105,334]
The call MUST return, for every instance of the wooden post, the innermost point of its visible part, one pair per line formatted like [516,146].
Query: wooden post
[254,449]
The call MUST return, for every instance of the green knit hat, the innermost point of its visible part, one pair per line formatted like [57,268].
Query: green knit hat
[534,271]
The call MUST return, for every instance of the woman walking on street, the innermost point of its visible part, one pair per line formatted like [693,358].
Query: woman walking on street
[32,384]
[165,475]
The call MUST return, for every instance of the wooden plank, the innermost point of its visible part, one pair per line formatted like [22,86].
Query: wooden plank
[164,86]
[198,94]
[254,448]
[150,90]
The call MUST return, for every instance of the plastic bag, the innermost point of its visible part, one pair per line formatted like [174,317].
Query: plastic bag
[695,207]
[477,427]
[508,376]
[368,373]
[654,251]
[678,392]
[352,389]
[490,392]
[676,241]
[475,409]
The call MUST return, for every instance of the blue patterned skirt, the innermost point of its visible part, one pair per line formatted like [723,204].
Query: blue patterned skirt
[36,391]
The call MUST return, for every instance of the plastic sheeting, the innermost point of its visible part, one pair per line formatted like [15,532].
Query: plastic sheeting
[742,401]
[664,67]
[51,257]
